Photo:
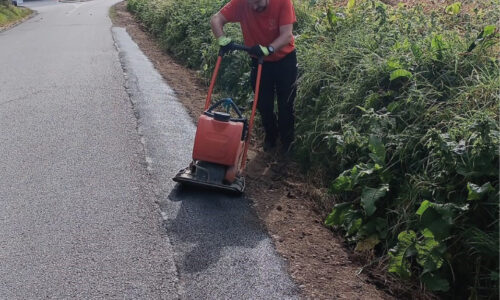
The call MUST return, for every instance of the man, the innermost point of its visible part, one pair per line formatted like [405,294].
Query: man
[267,28]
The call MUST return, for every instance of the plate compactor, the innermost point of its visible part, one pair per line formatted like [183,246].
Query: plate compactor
[221,141]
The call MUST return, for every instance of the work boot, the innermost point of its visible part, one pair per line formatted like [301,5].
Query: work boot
[269,143]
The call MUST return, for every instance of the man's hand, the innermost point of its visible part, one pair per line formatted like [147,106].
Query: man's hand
[259,51]
[223,40]
[225,43]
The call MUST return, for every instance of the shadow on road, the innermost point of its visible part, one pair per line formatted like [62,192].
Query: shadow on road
[206,223]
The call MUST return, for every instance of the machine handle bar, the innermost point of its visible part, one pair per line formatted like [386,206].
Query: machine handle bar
[227,101]
[260,61]
[238,47]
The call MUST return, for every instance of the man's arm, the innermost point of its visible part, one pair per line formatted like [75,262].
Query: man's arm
[217,23]
[284,38]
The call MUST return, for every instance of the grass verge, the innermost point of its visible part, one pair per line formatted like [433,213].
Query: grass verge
[10,14]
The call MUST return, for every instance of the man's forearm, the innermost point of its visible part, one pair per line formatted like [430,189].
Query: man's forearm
[284,38]
[280,42]
[217,23]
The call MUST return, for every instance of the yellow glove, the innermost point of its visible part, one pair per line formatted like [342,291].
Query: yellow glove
[223,41]
[259,51]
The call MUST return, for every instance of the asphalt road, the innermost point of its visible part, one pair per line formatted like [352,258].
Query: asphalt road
[90,136]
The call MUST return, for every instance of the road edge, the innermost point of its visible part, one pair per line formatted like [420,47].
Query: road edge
[151,178]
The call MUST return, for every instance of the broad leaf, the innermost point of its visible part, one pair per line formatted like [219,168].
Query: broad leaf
[353,226]
[449,210]
[394,64]
[332,18]
[337,216]
[423,207]
[435,283]
[407,238]
[370,195]
[489,30]
[367,244]
[381,226]
[454,8]
[478,192]
[406,244]
[374,226]
[438,45]
[400,73]
[351,4]
[429,252]
[432,220]
[377,148]
[341,184]
[437,42]
[439,218]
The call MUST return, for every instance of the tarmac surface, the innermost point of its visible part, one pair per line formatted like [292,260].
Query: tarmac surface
[78,218]
[90,137]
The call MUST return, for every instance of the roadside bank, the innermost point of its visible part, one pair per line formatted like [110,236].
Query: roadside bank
[11,15]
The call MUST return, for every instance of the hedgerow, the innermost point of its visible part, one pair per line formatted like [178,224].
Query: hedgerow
[398,108]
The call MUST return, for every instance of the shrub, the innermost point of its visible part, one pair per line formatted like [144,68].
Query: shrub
[401,109]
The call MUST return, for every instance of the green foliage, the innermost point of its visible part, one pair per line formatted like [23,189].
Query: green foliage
[399,73]
[477,192]
[369,197]
[454,9]
[427,252]
[10,14]
[183,30]
[399,107]
[435,283]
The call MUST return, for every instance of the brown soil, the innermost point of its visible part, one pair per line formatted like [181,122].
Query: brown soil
[290,209]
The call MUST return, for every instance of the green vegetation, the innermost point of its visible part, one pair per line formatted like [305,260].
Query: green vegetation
[10,14]
[398,110]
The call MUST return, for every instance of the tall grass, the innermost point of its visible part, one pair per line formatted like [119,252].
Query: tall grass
[399,109]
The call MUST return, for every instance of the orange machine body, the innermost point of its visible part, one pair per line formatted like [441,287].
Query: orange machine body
[218,141]
[221,143]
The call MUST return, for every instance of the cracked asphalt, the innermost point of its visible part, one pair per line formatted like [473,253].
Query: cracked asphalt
[90,137]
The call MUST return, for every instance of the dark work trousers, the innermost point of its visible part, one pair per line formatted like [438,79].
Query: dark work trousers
[278,78]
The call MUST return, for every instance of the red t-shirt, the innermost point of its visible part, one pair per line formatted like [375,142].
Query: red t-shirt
[262,28]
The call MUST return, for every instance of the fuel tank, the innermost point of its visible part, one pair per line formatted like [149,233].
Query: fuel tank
[218,141]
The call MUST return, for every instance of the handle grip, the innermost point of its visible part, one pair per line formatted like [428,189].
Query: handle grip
[240,47]
[237,47]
